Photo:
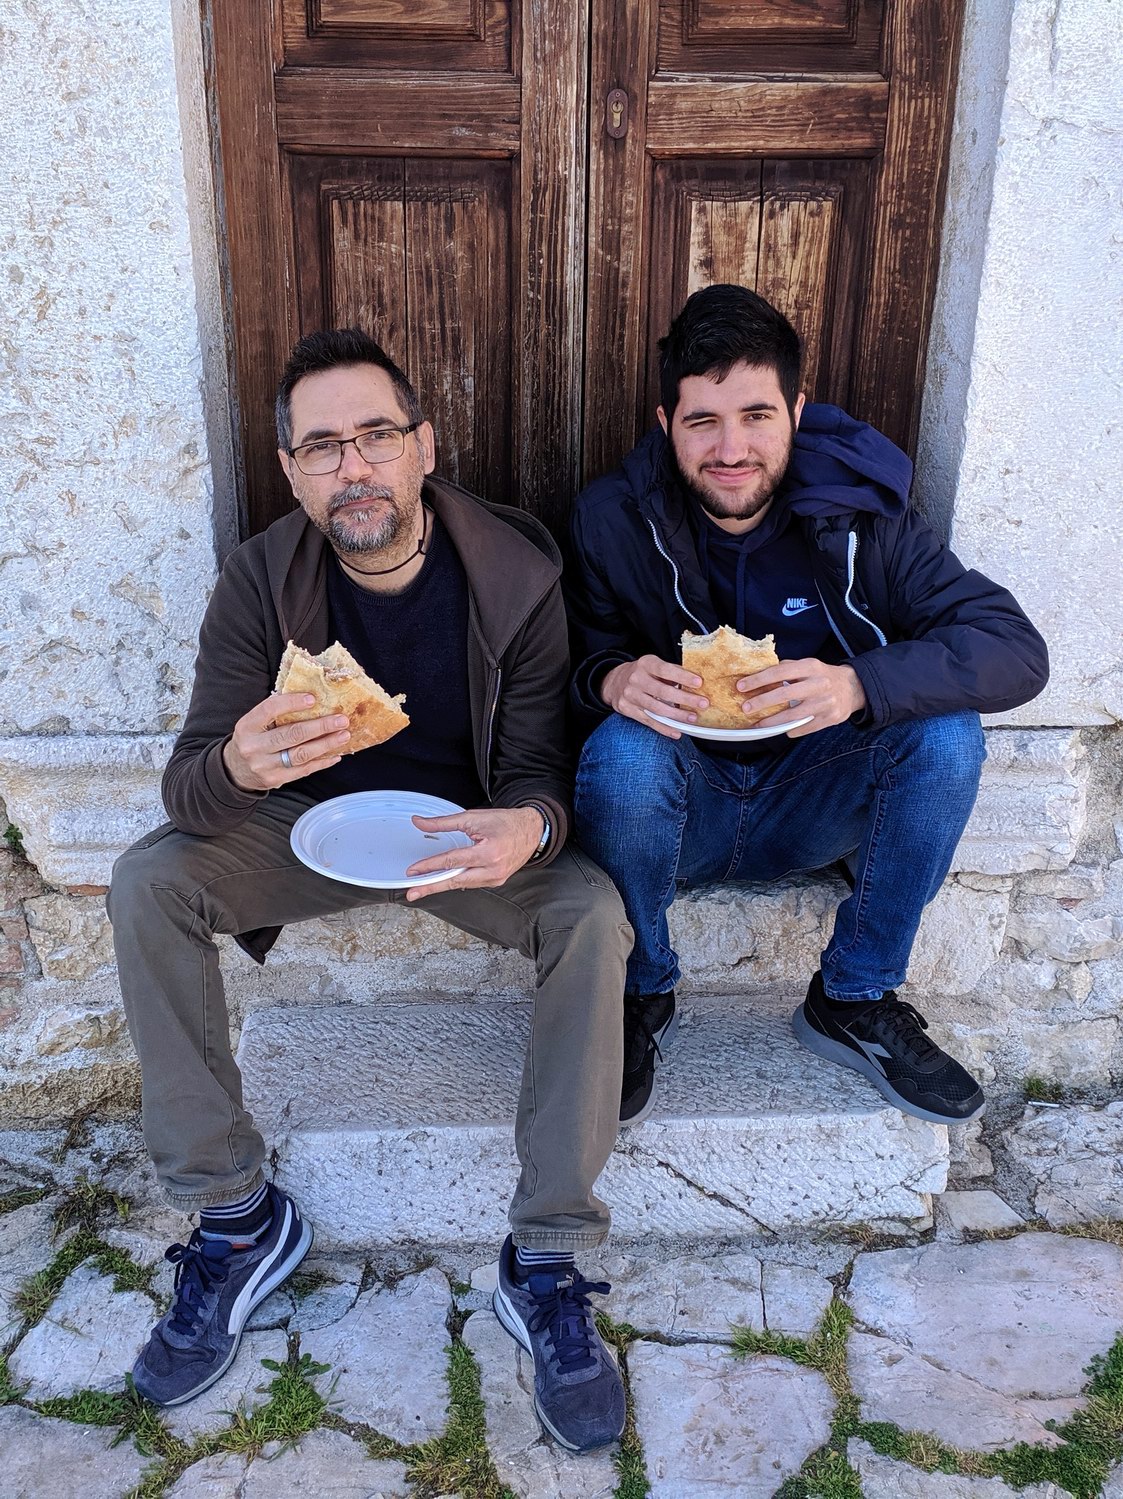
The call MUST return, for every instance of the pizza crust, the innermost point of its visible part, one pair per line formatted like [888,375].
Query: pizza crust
[340,685]
[721,659]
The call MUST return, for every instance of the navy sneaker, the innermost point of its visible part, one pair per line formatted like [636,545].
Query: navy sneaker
[884,1040]
[578,1392]
[216,1289]
[650,1022]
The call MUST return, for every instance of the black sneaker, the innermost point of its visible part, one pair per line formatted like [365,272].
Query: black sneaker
[216,1289]
[578,1392]
[650,1020]
[885,1041]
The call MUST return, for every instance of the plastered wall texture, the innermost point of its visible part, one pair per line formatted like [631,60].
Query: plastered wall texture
[105,487]
[110,537]
[1037,499]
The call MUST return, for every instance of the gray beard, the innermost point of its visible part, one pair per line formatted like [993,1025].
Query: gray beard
[371,537]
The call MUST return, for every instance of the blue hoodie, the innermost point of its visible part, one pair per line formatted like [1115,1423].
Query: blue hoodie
[924,634]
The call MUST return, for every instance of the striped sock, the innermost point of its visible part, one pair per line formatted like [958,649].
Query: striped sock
[243,1221]
[528,1261]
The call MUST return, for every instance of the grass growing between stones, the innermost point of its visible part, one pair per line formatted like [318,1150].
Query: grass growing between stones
[86,1203]
[458,1462]
[629,1460]
[1041,1090]
[1092,1440]
[20,1197]
[37,1291]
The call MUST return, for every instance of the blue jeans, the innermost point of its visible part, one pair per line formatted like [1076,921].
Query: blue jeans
[661,814]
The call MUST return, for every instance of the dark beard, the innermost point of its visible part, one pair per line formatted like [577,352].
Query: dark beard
[374,537]
[712,505]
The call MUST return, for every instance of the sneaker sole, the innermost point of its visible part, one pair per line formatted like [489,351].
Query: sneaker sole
[512,1323]
[845,1056]
[667,1035]
[276,1277]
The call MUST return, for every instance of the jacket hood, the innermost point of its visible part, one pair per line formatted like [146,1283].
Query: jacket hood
[838,465]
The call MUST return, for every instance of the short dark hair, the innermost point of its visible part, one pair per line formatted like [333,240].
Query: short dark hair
[330,349]
[721,326]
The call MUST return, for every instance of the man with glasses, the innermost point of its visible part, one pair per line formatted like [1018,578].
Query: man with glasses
[457,604]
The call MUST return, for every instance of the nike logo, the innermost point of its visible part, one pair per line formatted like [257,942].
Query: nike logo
[796,606]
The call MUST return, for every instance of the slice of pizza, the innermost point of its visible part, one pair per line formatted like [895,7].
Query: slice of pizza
[340,685]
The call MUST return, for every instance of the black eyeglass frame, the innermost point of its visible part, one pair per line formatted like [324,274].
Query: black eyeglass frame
[341,443]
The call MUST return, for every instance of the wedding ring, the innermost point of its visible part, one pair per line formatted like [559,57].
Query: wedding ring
[285,761]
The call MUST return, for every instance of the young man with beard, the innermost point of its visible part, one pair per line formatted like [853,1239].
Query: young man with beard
[749,508]
[457,603]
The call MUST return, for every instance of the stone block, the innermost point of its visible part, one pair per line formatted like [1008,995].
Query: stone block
[1032,805]
[716,1427]
[323,1463]
[1074,1155]
[1044,926]
[687,1298]
[740,935]
[18,880]
[976,1212]
[43,1458]
[969,1158]
[750,1131]
[528,1464]
[71,935]
[991,1339]
[88,1339]
[387,1357]
[80,801]
[26,1245]
[960,937]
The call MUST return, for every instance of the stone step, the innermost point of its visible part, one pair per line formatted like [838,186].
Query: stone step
[392,1124]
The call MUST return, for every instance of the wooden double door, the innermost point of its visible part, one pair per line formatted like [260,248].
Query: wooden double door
[515,196]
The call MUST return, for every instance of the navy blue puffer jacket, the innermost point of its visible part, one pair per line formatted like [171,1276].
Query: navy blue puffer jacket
[924,634]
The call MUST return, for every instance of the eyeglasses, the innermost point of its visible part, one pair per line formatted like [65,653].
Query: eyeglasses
[379,445]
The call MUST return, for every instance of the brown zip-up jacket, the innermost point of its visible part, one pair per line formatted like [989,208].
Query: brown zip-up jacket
[273,589]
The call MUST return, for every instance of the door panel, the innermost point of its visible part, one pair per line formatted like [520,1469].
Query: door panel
[418,253]
[794,146]
[421,34]
[418,169]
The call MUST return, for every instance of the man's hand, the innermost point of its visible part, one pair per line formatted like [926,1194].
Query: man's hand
[252,755]
[636,688]
[830,693]
[503,839]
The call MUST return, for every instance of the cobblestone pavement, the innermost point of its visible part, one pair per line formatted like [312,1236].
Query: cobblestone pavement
[983,1359]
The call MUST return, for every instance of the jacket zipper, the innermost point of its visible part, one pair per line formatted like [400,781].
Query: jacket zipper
[674,570]
[491,726]
[851,557]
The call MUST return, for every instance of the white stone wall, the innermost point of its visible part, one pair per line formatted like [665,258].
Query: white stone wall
[105,484]
[1034,420]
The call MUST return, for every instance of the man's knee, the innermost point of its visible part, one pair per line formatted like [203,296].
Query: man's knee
[622,753]
[953,745]
[586,904]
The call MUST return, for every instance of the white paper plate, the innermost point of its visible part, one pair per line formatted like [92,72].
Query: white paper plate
[767,730]
[367,838]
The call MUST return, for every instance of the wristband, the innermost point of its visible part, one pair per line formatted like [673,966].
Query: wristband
[547,832]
